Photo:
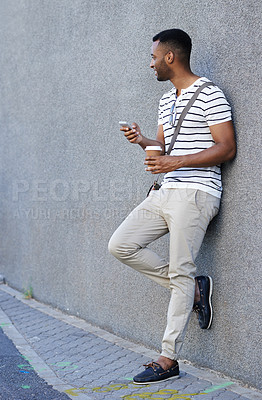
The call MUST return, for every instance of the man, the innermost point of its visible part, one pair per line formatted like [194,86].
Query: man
[188,198]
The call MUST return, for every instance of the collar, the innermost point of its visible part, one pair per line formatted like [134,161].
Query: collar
[194,86]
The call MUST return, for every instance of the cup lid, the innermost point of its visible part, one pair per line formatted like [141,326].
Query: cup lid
[153,148]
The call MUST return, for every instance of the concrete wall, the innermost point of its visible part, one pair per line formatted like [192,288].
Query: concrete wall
[70,70]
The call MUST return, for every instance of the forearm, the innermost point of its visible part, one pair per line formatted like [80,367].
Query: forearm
[150,142]
[215,155]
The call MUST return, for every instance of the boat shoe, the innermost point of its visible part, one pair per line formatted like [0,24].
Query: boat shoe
[154,373]
[204,306]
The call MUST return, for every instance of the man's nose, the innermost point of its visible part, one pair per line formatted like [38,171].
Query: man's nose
[152,64]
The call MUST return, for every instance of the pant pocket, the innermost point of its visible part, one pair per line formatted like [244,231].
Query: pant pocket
[207,204]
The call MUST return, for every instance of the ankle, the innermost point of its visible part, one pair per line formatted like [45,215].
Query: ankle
[197,292]
[166,363]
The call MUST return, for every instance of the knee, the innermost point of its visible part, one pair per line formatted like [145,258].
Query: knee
[119,249]
[113,246]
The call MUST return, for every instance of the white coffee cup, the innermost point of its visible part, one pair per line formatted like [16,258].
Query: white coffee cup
[153,151]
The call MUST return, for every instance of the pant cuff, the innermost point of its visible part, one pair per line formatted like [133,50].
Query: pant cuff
[171,356]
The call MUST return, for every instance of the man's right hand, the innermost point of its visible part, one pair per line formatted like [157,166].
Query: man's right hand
[133,135]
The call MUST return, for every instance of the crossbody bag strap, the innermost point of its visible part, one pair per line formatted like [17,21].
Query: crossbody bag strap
[183,114]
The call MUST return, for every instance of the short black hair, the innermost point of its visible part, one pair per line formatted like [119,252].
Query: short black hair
[176,39]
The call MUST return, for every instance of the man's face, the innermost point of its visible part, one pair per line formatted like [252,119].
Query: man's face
[158,63]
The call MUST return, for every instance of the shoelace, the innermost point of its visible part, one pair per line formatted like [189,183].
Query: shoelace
[153,365]
[196,309]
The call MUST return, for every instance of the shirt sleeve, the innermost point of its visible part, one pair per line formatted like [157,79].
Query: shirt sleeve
[217,108]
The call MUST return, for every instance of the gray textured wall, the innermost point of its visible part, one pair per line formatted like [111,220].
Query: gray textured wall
[70,70]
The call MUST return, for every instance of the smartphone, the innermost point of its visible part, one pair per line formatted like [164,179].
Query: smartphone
[124,124]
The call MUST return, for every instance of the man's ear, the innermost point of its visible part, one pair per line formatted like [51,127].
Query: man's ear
[170,56]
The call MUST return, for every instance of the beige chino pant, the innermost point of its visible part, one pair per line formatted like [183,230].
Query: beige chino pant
[185,214]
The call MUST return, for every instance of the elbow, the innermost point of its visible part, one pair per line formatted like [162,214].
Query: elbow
[232,151]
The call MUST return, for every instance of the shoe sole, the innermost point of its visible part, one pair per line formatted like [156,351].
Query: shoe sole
[209,301]
[162,380]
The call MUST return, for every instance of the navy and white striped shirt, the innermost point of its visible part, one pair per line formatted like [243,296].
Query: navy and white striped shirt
[210,108]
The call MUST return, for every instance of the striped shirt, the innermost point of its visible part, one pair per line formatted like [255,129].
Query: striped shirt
[210,108]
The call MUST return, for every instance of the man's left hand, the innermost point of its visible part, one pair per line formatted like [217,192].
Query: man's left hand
[163,164]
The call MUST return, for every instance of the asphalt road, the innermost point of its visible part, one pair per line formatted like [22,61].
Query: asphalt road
[18,381]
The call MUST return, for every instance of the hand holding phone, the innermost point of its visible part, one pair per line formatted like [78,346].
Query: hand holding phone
[124,124]
[135,135]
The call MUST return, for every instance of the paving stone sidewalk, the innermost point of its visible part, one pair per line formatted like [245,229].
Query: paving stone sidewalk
[86,362]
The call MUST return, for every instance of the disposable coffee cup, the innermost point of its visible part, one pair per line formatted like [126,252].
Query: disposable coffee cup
[153,151]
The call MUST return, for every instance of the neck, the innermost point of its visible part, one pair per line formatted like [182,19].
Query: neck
[183,79]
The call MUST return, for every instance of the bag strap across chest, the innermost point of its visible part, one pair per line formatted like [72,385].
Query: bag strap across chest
[183,114]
